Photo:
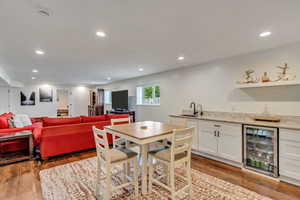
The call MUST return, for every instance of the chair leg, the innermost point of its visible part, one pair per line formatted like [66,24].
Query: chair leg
[136,178]
[189,174]
[124,171]
[150,175]
[172,181]
[97,185]
[108,192]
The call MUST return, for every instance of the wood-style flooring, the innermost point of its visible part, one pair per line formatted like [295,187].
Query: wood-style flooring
[20,181]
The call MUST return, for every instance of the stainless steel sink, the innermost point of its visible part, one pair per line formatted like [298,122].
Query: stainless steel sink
[187,115]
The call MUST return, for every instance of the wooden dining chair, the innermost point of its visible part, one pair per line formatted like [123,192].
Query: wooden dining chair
[178,154]
[109,158]
[118,141]
[122,142]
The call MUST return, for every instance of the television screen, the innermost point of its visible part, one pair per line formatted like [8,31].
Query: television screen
[119,100]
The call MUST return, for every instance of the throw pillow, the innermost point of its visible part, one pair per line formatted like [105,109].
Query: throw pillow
[21,121]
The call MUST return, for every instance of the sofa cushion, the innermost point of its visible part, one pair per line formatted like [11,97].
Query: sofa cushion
[85,119]
[60,121]
[3,120]
[21,121]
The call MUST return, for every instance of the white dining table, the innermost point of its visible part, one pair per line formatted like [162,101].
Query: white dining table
[143,133]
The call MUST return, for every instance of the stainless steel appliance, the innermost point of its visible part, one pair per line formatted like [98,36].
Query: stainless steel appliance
[261,149]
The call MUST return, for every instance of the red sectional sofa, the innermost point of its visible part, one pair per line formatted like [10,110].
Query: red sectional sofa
[57,136]
[66,135]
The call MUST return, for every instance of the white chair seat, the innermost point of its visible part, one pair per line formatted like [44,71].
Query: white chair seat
[166,155]
[120,154]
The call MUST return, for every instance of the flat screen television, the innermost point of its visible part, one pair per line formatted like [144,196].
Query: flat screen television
[119,100]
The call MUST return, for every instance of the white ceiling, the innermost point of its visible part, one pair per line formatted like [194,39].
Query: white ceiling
[147,33]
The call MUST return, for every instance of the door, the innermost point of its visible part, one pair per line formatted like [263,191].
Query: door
[207,141]
[194,124]
[63,109]
[230,142]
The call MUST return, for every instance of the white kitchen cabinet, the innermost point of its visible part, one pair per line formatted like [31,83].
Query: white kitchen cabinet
[230,142]
[208,142]
[221,139]
[289,155]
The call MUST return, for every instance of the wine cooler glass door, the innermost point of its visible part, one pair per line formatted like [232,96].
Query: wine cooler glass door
[260,149]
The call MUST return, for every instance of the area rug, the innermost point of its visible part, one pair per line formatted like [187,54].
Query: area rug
[76,181]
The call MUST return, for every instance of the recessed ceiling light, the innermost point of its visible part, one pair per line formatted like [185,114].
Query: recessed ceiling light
[180,58]
[265,34]
[39,52]
[33,78]
[100,34]
[35,71]
[108,78]
[141,69]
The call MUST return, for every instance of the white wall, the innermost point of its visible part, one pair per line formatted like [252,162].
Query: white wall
[213,85]
[4,103]
[79,98]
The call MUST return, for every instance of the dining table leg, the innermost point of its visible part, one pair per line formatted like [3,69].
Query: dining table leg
[144,152]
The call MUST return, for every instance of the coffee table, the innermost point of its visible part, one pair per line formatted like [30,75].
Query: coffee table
[7,158]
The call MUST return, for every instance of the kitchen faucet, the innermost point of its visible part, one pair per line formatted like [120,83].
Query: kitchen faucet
[191,106]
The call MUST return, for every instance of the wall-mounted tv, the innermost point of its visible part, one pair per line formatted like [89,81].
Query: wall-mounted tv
[119,100]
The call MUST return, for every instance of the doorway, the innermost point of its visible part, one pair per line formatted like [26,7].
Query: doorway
[63,105]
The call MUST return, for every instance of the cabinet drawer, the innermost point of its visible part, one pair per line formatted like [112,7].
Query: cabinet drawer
[289,168]
[209,125]
[288,134]
[231,129]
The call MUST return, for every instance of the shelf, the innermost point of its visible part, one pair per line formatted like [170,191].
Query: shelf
[268,84]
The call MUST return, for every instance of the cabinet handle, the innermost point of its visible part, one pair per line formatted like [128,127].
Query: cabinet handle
[217,125]
[215,133]
[218,133]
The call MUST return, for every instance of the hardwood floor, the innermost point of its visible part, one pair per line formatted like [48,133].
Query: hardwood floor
[21,180]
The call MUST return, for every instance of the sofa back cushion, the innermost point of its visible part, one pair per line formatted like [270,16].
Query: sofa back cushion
[3,123]
[47,121]
[86,119]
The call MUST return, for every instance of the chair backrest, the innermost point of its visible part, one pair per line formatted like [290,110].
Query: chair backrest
[101,141]
[182,141]
[120,121]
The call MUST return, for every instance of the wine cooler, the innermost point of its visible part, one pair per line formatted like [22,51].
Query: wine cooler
[261,149]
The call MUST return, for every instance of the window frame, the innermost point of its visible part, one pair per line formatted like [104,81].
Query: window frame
[140,94]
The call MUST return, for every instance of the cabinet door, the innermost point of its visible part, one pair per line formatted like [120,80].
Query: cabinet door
[208,142]
[289,154]
[230,142]
[194,124]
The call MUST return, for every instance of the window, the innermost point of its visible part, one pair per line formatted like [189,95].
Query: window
[148,95]
[107,97]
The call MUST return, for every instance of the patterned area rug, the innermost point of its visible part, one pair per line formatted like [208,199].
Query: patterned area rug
[76,181]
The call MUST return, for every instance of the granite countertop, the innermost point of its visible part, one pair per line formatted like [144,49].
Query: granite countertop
[288,122]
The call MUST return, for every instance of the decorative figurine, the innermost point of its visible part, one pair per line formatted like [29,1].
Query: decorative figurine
[248,77]
[265,78]
[283,75]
